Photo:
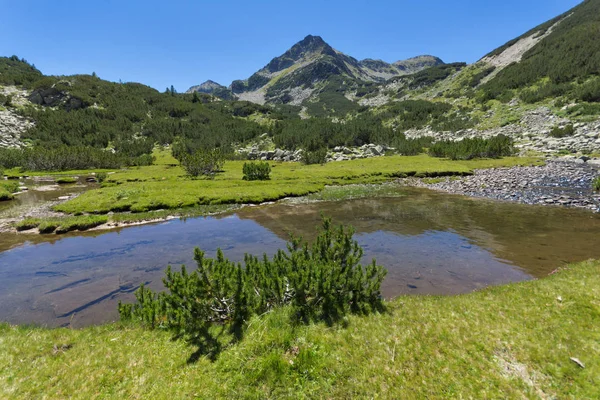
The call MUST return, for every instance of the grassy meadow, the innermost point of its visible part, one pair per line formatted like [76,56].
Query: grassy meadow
[514,341]
[165,185]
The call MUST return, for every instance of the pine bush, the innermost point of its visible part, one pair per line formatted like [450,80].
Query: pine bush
[320,282]
[257,171]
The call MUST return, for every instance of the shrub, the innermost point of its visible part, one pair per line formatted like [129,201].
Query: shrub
[101,176]
[322,282]
[558,132]
[203,162]
[257,171]
[318,156]
[590,91]
[467,149]
[596,184]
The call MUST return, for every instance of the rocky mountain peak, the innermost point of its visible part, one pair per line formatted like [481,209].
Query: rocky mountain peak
[207,87]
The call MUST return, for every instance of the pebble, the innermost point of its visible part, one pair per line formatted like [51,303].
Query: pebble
[556,183]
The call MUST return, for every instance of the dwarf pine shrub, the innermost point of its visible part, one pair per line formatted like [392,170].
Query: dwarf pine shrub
[203,162]
[467,149]
[257,171]
[321,282]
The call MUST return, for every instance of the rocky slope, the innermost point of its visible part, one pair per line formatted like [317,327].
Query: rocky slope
[13,125]
[296,74]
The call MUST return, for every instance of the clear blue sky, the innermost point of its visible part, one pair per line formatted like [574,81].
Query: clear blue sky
[182,43]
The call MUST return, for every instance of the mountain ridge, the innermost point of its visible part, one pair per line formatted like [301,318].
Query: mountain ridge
[309,62]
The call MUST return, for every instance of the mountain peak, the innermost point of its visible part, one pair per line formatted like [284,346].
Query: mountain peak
[207,87]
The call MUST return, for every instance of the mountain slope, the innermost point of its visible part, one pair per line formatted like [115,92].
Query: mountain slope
[307,66]
[569,50]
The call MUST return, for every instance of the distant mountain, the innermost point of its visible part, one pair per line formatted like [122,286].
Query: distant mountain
[212,87]
[207,87]
[307,66]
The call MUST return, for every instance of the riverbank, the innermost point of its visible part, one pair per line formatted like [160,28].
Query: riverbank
[155,192]
[558,182]
[535,339]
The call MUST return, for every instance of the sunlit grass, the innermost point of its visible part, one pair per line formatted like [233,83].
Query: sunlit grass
[165,186]
[513,341]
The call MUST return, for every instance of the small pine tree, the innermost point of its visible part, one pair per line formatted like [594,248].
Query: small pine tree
[320,282]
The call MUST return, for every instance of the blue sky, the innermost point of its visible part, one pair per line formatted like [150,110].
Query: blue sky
[182,43]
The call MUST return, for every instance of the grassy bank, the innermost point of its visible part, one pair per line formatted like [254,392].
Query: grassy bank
[7,188]
[514,341]
[165,186]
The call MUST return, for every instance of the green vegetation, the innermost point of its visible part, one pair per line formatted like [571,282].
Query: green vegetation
[468,149]
[256,171]
[203,162]
[596,184]
[571,51]
[64,158]
[513,341]
[558,132]
[321,282]
[101,176]
[430,76]
[66,180]
[7,188]
[62,225]
[165,186]
[316,156]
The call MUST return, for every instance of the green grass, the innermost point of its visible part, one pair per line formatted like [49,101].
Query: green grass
[359,191]
[513,341]
[7,188]
[66,180]
[62,225]
[596,184]
[165,186]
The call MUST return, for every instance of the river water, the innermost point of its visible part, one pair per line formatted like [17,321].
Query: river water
[430,242]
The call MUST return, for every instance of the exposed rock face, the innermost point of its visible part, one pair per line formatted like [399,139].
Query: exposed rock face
[208,87]
[291,77]
[532,134]
[416,64]
[53,97]
[13,125]
[340,153]
[11,128]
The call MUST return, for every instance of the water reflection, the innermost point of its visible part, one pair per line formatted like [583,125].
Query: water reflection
[429,242]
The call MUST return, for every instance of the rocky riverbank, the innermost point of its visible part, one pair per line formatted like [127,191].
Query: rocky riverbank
[560,182]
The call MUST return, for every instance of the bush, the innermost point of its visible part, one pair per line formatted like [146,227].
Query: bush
[63,158]
[318,156]
[101,176]
[596,184]
[257,171]
[558,132]
[322,282]
[467,149]
[203,162]
[589,91]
